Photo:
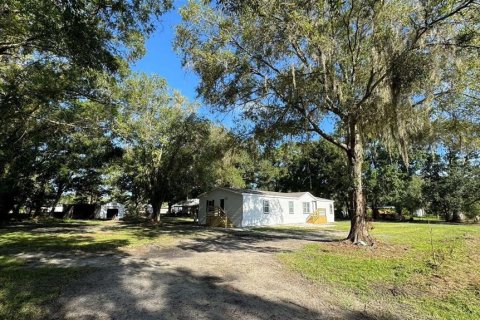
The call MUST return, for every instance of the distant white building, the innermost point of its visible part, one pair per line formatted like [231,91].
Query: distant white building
[189,206]
[111,210]
[245,207]
[59,208]
[419,212]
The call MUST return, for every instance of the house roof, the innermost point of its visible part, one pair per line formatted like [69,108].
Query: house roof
[323,199]
[187,203]
[269,193]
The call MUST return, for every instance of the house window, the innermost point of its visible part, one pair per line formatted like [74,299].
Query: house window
[306,208]
[266,206]
[290,207]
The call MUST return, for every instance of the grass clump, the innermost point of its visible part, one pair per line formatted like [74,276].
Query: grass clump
[359,272]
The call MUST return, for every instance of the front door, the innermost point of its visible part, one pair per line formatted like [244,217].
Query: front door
[314,206]
[222,204]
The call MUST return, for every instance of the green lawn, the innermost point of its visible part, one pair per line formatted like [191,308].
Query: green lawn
[83,235]
[26,293]
[416,268]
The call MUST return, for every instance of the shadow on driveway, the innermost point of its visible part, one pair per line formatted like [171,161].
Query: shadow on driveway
[140,291]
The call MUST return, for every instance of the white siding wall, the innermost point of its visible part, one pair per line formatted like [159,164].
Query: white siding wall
[233,205]
[253,214]
[247,209]
[202,217]
[329,209]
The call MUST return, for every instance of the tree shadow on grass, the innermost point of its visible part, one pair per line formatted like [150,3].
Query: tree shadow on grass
[125,287]
[306,233]
[65,237]
[148,230]
[229,243]
[203,239]
[248,240]
[441,222]
[24,292]
[141,291]
[22,243]
[48,227]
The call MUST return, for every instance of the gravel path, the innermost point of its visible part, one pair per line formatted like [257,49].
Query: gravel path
[229,275]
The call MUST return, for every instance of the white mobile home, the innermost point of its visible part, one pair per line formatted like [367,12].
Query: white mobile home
[245,207]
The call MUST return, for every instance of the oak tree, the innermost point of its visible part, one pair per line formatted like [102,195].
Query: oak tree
[376,69]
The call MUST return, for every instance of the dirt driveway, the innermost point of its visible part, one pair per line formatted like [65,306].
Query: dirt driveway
[219,274]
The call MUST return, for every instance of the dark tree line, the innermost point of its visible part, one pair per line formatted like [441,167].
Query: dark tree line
[56,60]
[440,181]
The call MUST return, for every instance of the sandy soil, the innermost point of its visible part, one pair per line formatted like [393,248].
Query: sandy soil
[225,275]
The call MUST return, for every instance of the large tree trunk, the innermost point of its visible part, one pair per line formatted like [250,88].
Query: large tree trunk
[58,195]
[358,229]
[375,210]
[156,206]
[456,216]
[39,200]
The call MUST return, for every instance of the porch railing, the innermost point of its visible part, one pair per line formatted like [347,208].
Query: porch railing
[217,217]
[319,216]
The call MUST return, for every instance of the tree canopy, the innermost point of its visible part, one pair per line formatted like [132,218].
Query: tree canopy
[56,60]
[379,69]
[169,151]
[368,102]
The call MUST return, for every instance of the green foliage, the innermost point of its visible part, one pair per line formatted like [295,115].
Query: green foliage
[53,161]
[315,166]
[292,64]
[169,152]
[453,185]
[88,33]
[390,183]
[379,70]
[452,172]
[384,177]
[56,61]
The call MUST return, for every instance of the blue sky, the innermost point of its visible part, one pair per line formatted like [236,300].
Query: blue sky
[161,59]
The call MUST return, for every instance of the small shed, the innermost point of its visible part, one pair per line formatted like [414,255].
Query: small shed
[110,211]
[186,207]
[247,207]
[419,212]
